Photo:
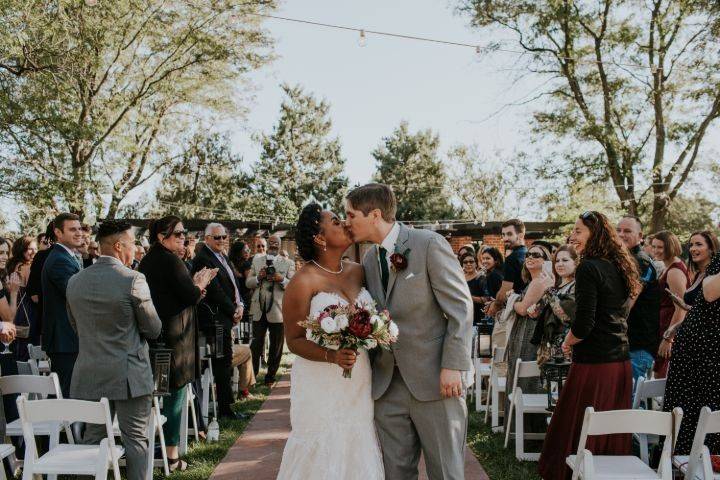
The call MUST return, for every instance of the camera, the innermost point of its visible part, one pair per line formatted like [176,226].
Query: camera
[270,267]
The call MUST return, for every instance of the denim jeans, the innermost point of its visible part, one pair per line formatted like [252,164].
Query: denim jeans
[642,361]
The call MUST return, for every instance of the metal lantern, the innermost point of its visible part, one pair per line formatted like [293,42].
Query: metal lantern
[160,359]
[484,340]
[554,373]
[245,330]
[219,336]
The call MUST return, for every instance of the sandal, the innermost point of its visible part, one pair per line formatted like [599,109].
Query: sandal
[175,464]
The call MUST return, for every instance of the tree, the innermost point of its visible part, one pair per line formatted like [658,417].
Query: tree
[411,165]
[481,185]
[205,181]
[92,96]
[299,160]
[633,87]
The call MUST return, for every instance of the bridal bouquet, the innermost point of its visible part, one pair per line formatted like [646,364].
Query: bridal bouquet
[351,326]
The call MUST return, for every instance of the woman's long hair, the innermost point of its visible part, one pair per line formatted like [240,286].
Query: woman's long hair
[18,253]
[604,242]
[713,245]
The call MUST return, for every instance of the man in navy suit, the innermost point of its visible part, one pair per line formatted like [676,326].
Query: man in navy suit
[222,304]
[59,340]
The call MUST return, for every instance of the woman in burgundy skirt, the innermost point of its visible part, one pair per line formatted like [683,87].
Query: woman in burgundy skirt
[600,375]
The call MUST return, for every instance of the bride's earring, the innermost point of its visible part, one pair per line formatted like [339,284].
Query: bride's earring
[324,248]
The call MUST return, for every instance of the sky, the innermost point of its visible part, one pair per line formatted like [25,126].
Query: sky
[371,89]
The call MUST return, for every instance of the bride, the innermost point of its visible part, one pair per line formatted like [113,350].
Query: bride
[333,433]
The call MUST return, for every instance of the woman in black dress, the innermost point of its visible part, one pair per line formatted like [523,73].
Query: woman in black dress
[693,380]
[175,293]
[492,261]
[600,376]
[475,283]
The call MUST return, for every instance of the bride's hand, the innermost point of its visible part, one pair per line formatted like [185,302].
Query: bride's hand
[345,358]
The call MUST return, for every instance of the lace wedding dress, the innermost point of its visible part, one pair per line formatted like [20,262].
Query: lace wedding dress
[333,433]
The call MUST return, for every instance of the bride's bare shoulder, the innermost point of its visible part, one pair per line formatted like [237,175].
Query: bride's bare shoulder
[305,278]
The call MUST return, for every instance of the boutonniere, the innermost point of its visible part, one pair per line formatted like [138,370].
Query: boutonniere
[399,260]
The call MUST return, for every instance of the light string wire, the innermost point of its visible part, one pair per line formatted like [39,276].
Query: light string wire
[478,48]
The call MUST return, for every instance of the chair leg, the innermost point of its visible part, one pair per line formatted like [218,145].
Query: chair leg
[205,403]
[191,398]
[644,454]
[161,435]
[101,467]
[508,422]
[487,398]
[495,408]
[519,431]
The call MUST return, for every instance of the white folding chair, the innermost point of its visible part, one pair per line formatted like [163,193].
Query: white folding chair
[68,459]
[34,387]
[600,467]
[6,450]
[43,362]
[697,465]
[522,403]
[497,386]
[187,414]
[207,381]
[27,368]
[647,392]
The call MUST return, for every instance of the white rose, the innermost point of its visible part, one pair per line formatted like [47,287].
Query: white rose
[371,343]
[342,321]
[376,319]
[393,329]
[329,325]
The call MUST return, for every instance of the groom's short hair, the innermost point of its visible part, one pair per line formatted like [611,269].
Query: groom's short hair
[374,195]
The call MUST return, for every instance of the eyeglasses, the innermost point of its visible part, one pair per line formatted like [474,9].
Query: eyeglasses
[535,255]
[179,233]
[219,237]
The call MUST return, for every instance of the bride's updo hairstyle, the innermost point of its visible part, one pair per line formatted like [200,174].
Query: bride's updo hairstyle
[308,225]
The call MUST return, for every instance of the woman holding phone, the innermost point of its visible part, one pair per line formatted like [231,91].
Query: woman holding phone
[675,279]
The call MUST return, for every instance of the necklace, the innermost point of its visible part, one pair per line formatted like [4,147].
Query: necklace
[328,270]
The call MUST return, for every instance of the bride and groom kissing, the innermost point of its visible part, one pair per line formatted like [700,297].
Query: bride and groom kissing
[398,402]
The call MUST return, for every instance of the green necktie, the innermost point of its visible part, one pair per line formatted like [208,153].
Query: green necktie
[384,271]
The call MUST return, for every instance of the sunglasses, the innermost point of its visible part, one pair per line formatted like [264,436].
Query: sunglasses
[179,233]
[589,216]
[219,237]
[535,255]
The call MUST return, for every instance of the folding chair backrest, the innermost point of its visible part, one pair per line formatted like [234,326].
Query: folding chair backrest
[629,421]
[36,353]
[709,422]
[62,410]
[525,370]
[647,389]
[25,384]
[24,368]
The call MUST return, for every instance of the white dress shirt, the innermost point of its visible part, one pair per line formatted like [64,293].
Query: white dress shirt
[389,244]
[231,274]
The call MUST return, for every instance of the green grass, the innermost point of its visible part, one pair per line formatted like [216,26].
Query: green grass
[203,457]
[499,462]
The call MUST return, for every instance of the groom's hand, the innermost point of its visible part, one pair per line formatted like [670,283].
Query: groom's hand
[450,383]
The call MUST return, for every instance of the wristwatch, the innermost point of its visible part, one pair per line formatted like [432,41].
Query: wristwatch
[668,335]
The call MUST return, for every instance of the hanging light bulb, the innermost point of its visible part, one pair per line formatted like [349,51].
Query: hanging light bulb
[362,41]
[478,51]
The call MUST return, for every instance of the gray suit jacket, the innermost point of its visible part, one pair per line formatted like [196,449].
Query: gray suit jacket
[110,308]
[431,304]
[269,294]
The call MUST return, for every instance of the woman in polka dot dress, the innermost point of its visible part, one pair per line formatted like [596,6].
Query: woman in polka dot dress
[694,377]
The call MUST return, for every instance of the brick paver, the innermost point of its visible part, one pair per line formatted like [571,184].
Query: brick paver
[258,452]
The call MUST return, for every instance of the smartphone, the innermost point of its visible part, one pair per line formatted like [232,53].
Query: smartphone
[677,300]
[547,267]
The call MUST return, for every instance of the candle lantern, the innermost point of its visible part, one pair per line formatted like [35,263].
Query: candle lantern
[484,338]
[219,340]
[554,372]
[160,359]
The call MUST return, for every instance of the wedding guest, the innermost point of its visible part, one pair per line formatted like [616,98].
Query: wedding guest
[34,284]
[556,310]
[492,261]
[643,321]
[43,241]
[692,380]
[241,260]
[513,233]
[9,285]
[110,308]
[259,246]
[59,340]
[175,294]
[703,247]
[476,285]
[464,250]
[519,344]
[24,250]
[601,375]
[5,249]
[676,278]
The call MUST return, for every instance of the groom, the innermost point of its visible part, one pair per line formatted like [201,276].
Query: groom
[418,386]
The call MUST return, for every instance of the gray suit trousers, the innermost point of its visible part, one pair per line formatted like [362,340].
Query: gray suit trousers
[133,417]
[406,426]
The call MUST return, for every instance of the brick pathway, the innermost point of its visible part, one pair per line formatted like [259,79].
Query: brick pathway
[258,452]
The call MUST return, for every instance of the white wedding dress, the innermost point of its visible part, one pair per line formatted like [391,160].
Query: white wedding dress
[333,432]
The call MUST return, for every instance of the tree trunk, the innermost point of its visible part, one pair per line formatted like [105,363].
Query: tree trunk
[113,208]
[661,206]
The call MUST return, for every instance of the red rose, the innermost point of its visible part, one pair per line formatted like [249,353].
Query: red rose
[398,261]
[360,325]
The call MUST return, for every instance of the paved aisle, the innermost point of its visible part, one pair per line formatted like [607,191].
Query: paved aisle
[258,451]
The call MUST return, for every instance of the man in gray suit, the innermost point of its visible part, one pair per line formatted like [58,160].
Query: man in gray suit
[418,386]
[110,308]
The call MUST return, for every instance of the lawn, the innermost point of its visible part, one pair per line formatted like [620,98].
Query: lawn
[203,457]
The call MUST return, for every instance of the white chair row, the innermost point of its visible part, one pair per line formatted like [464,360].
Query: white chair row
[522,404]
[648,394]
[496,386]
